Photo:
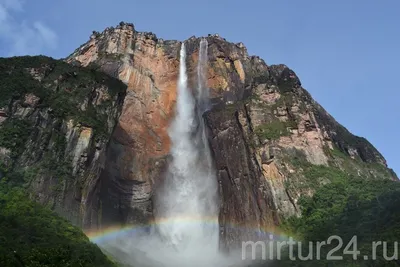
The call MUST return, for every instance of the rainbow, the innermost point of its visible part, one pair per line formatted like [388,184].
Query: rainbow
[101,236]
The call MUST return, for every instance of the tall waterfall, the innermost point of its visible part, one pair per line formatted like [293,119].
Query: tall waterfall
[186,232]
[202,89]
[189,198]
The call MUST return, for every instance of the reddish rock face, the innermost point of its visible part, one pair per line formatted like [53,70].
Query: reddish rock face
[249,97]
[140,143]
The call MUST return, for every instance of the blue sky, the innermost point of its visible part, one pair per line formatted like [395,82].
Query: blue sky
[346,53]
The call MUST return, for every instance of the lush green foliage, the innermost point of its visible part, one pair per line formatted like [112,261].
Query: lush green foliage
[31,235]
[346,206]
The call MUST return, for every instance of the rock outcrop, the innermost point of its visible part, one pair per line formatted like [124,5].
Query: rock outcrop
[263,146]
[56,128]
[262,119]
[140,144]
[265,131]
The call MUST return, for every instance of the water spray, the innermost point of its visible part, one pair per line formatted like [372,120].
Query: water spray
[186,230]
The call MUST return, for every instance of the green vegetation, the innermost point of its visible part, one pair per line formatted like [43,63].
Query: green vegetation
[311,177]
[274,129]
[286,99]
[114,56]
[63,88]
[336,153]
[345,205]
[31,235]
[357,166]
[344,139]
[346,208]
[13,135]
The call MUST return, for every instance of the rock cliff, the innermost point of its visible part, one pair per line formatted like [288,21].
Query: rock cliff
[55,124]
[264,129]
[271,142]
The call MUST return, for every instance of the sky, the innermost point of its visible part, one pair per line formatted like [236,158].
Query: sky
[346,53]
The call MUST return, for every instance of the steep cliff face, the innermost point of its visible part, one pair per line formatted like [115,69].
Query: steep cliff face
[277,146]
[140,144]
[56,121]
[272,142]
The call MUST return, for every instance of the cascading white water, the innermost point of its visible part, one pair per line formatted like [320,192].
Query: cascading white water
[202,89]
[186,232]
[190,193]
[203,104]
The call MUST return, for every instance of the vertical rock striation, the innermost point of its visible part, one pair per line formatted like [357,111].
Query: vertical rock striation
[56,124]
[261,120]
[263,128]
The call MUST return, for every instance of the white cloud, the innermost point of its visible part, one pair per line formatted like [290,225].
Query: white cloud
[20,37]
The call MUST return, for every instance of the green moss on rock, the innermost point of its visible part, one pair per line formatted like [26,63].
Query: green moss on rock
[59,86]
[273,130]
[13,135]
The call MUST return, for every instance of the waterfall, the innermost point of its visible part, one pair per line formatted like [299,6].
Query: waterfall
[203,104]
[202,89]
[190,186]
[186,231]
